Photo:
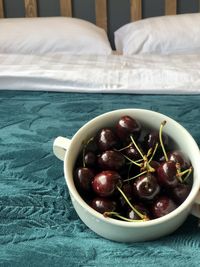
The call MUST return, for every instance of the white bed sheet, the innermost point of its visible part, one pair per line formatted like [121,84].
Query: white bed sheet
[148,74]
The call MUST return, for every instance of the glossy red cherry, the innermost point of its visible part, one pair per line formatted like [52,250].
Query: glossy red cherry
[167,174]
[106,139]
[178,157]
[132,153]
[146,187]
[127,126]
[163,206]
[102,205]
[105,183]
[131,214]
[180,192]
[83,178]
[111,160]
[90,159]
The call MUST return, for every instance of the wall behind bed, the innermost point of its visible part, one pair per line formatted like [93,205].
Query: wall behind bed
[118,10]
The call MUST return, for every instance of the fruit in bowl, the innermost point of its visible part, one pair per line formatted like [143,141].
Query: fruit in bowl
[112,176]
[130,156]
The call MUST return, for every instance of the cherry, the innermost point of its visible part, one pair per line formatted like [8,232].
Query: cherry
[163,206]
[152,138]
[167,174]
[106,139]
[102,205]
[131,214]
[90,159]
[106,183]
[155,164]
[180,192]
[132,152]
[127,126]
[83,178]
[178,157]
[111,160]
[146,187]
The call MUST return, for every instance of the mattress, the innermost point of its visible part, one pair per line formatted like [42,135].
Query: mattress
[138,74]
[38,225]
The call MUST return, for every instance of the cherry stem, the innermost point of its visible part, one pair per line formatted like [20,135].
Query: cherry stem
[161,141]
[178,168]
[131,206]
[147,165]
[154,151]
[121,149]
[136,146]
[108,213]
[149,152]
[138,175]
[134,162]
[188,172]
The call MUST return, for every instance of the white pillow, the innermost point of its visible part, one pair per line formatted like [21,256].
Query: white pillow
[55,35]
[174,34]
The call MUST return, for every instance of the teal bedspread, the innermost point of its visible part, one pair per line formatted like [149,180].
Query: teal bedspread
[38,225]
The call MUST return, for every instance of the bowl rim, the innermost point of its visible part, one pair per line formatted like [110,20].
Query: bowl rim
[184,206]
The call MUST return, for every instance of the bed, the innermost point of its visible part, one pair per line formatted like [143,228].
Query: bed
[43,96]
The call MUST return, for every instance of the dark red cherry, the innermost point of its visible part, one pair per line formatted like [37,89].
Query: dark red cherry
[163,206]
[132,152]
[166,174]
[106,139]
[83,179]
[152,138]
[105,183]
[154,164]
[178,157]
[146,187]
[90,159]
[91,146]
[180,192]
[111,160]
[127,126]
[131,214]
[102,204]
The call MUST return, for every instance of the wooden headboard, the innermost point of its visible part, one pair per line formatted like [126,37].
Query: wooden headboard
[101,8]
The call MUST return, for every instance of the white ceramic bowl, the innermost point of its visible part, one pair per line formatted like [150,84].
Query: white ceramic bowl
[123,231]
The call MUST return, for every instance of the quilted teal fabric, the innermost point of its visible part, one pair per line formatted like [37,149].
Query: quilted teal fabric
[38,225]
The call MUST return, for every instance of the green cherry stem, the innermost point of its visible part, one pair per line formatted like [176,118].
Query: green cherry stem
[161,141]
[134,177]
[188,172]
[116,214]
[154,151]
[131,206]
[132,161]
[133,141]
[121,149]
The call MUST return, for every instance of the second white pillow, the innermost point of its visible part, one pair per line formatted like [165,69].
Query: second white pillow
[174,34]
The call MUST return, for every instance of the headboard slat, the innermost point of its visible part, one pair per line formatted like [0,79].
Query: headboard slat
[101,13]
[136,9]
[1,9]
[30,8]
[66,8]
[170,7]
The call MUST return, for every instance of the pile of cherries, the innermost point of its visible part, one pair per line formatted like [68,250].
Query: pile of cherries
[131,173]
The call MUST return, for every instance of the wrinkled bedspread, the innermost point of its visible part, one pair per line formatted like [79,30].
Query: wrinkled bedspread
[38,225]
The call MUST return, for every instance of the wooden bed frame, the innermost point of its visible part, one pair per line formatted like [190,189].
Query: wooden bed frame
[100,10]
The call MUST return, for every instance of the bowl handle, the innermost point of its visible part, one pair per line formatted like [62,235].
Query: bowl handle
[196,206]
[60,145]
